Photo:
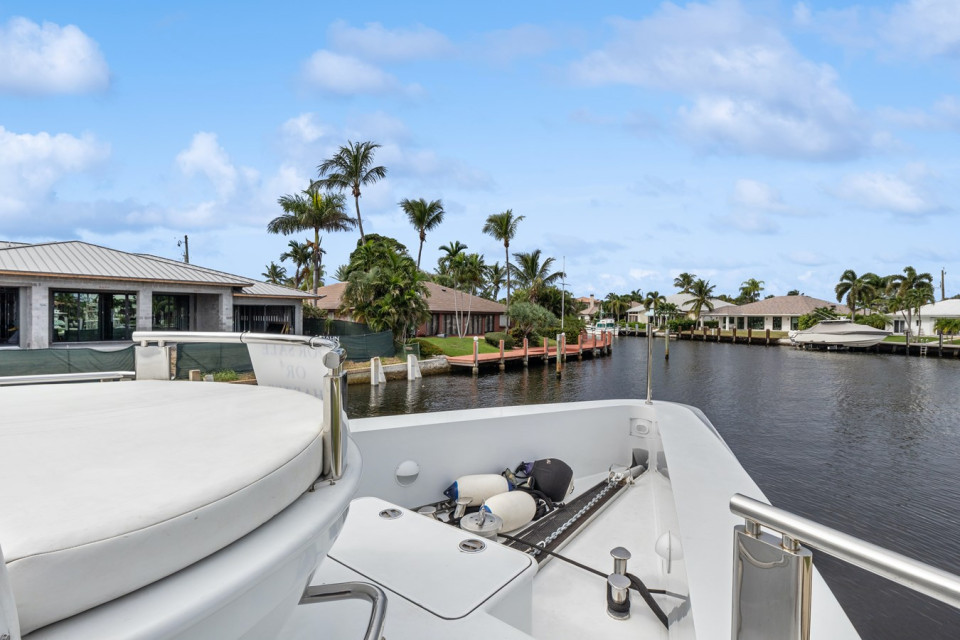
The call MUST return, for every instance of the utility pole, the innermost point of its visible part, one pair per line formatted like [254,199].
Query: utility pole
[185,243]
[943,288]
[563,290]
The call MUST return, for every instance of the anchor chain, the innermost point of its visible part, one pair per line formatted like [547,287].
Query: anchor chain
[614,481]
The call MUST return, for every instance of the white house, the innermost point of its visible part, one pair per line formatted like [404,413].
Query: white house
[924,321]
[684,302]
[779,313]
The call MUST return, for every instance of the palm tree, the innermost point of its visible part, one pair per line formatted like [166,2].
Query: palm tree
[495,278]
[349,168]
[533,275]
[750,289]
[615,305]
[702,291]
[451,250]
[275,274]
[684,281]
[913,290]
[424,217]
[311,209]
[503,226]
[855,288]
[301,254]
[653,300]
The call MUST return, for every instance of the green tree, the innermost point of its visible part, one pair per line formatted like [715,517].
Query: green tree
[301,254]
[653,300]
[275,274]
[750,290]
[385,289]
[496,277]
[616,305]
[684,281]
[856,288]
[910,290]
[530,318]
[702,292]
[503,227]
[534,275]
[350,168]
[308,210]
[424,216]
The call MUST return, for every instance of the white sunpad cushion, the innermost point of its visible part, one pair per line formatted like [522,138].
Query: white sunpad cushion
[107,487]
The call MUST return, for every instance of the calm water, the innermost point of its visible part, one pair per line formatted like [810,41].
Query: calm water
[869,444]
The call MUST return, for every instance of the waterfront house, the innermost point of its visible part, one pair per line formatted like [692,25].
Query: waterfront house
[62,294]
[591,309]
[684,302]
[778,313]
[444,304]
[924,321]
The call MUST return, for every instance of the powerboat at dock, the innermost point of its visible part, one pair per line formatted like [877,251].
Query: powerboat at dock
[839,333]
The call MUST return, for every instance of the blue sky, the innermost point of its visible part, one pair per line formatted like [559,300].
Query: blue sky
[783,141]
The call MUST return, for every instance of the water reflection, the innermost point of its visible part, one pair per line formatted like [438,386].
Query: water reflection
[862,442]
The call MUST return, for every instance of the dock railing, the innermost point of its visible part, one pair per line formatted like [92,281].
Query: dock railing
[772,576]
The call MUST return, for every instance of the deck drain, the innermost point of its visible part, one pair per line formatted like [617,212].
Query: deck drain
[391,514]
[472,545]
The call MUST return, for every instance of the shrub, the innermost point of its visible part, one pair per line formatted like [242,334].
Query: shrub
[711,324]
[227,375]
[875,320]
[681,324]
[494,338]
[428,349]
[572,327]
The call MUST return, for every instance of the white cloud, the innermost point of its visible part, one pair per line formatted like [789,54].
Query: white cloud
[375,42]
[32,164]
[924,27]
[757,195]
[347,75]
[747,221]
[801,14]
[522,41]
[304,128]
[643,274]
[904,194]
[752,91]
[943,115]
[206,156]
[49,59]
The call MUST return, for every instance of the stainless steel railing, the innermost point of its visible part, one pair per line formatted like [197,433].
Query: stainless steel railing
[352,591]
[756,581]
[228,337]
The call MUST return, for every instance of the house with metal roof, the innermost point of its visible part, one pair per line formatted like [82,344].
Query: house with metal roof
[778,313]
[62,294]
[444,304]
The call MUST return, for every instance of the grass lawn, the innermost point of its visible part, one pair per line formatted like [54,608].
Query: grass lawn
[464,346]
[915,339]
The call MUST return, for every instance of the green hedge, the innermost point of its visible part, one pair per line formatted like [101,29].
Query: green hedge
[428,349]
[494,338]
[681,324]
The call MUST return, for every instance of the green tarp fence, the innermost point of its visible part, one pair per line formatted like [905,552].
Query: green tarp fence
[321,327]
[25,362]
[210,357]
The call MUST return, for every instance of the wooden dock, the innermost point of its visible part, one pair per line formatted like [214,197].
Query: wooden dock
[586,346]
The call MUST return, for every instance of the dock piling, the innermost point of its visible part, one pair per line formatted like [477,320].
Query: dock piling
[503,364]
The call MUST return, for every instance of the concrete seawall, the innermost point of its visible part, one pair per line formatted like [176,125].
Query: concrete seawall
[429,367]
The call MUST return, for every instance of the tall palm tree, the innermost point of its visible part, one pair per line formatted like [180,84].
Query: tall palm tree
[532,274]
[496,276]
[308,210]
[450,250]
[350,168]
[653,300]
[702,291]
[301,254]
[913,289]
[503,226]
[856,288]
[424,216]
[684,281]
[750,289]
[275,274]
[615,305]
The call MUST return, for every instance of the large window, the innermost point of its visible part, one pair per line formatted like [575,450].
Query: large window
[80,316]
[263,318]
[777,323]
[9,316]
[755,322]
[171,312]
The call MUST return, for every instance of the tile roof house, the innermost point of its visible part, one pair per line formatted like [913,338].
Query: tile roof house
[75,294]
[485,315]
[779,313]
[684,302]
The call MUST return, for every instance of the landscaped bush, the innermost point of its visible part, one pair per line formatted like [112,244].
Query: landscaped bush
[875,320]
[494,338]
[428,349]
[227,375]
[681,324]
[711,324]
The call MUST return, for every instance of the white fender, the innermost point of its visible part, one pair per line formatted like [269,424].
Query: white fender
[477,487]
[515,508]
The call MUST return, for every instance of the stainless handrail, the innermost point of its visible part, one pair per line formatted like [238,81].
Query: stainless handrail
[350,591]
[86,376]
[230,337]
[916,575]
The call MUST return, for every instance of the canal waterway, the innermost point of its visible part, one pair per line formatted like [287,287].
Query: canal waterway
[866,443]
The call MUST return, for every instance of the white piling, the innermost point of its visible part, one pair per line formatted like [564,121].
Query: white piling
[376,372]
[413,368]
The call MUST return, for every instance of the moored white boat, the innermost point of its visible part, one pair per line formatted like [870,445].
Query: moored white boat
[840,333]
[200,510]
